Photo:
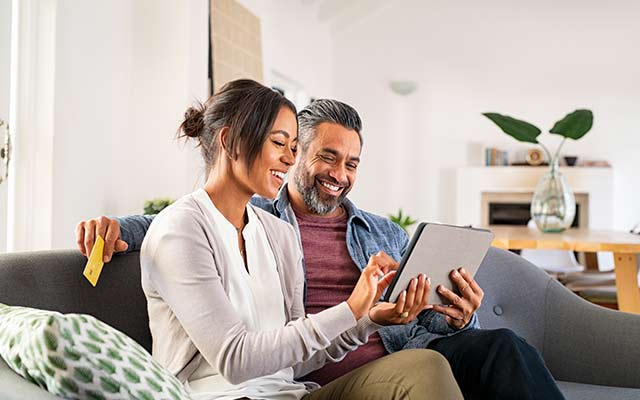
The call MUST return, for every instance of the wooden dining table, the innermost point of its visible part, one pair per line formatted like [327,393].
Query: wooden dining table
[624,246]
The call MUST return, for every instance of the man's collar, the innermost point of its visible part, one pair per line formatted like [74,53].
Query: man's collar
[355,214]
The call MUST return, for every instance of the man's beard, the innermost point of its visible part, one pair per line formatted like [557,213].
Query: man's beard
[306,185]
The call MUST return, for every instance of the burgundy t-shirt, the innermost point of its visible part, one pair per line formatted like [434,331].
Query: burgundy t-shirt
[331,276]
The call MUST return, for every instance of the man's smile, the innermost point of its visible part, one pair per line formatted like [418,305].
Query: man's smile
[330,187]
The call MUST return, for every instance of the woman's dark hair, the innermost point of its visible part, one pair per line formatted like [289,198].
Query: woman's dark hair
[248,108]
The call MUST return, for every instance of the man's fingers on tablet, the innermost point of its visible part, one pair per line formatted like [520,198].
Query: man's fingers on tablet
[449,295]
[452,312]
[472,282]
[457,278]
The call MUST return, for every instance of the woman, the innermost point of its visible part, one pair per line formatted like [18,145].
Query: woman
[224,280]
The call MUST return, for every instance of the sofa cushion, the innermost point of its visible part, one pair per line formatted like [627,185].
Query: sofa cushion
[583,391]
[76,355]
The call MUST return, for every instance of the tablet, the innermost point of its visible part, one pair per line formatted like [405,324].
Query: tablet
[435,250]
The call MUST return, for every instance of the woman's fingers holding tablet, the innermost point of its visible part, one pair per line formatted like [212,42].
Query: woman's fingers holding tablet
[368,288]
[409,304]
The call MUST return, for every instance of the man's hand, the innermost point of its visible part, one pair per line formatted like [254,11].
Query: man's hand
[109,229]
[462,307]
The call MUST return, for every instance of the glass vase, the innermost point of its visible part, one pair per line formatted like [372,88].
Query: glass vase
[553,206]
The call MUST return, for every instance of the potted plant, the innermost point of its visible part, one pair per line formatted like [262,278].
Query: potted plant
[405,221]
[553,206]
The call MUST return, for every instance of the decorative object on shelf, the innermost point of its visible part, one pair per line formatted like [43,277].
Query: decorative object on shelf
[535,157]
[404,221]
[553,206]
[154,206]
[570,160]
[493,157]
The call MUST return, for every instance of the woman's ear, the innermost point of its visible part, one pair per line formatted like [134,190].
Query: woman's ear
[222,137]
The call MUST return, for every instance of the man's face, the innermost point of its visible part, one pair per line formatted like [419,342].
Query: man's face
[326,171]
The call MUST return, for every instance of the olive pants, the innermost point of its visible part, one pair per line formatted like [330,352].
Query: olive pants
[407,374]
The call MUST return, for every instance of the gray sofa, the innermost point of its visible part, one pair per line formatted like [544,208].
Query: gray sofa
[593,352]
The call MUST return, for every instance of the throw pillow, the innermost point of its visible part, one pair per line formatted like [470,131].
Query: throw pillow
[77,356]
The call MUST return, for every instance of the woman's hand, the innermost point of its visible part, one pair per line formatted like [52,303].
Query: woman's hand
[375,278]
[409,304]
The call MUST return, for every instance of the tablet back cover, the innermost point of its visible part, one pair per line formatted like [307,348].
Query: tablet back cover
[437,249]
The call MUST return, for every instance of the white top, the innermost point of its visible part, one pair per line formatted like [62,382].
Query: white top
[187,272]
[256,295]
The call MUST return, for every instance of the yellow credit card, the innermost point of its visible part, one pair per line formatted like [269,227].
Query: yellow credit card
[94,264]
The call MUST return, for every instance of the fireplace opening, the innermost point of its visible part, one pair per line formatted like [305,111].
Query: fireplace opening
[517,214]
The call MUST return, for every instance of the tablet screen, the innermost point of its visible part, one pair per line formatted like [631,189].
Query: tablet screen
[435,250]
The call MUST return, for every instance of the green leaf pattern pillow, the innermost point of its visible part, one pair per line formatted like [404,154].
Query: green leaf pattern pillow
[79,357]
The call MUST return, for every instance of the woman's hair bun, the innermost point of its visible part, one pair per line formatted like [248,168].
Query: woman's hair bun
[193,124]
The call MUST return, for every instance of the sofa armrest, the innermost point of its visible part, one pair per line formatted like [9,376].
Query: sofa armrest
[590,344]
[15,387]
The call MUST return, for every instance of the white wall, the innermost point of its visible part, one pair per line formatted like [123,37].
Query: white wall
[125,73]
[533,60]
[5,66]
[295,44]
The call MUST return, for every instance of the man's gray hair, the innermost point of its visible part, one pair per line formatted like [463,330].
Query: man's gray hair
[325,110]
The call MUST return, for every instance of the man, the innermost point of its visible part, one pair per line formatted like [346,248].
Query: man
[337,240]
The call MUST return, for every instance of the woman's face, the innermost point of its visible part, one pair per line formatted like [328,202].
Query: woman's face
[277,156]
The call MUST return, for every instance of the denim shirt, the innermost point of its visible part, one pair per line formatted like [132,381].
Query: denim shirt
[366,235]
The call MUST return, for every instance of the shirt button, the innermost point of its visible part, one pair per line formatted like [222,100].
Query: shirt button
[497,310]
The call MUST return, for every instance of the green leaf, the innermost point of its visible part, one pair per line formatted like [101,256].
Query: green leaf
[109,385]
[49,371]
[51,341]
[405,221]
[93,395]
[69,385]
[144,395]
[157,374]
[519,130]
[574,125]
[83,374]
[17,361]
[91,347]
[76,326]
[113,354]
[71,354]
[153,384]
[94,336]
[137,364]
[58,362]
[131,375]
[107,366]
[174,394]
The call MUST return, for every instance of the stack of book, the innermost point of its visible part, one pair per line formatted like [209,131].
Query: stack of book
[495,157]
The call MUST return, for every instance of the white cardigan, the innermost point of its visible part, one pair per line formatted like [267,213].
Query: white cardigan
[185,277]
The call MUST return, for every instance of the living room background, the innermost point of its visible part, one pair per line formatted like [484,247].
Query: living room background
[126,70]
